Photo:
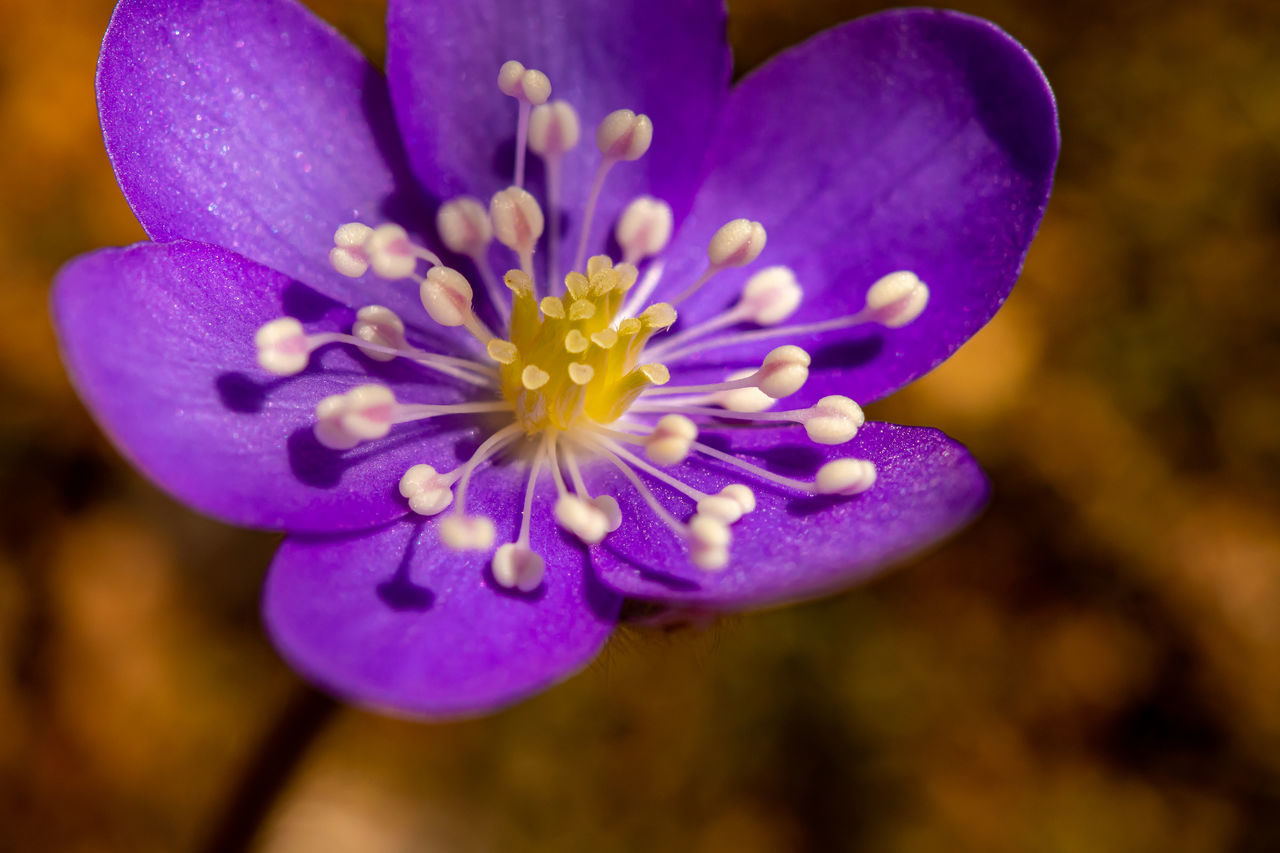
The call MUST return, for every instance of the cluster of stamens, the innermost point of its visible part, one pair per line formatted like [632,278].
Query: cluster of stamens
[577,373]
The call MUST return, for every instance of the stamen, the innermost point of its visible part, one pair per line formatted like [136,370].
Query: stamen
[769,297]
[285,349]
[464,227]
[607,505]
[669,442]
[530,88]
[392,254]
[516,565]
[447,295]
[461,531]
[644,229]
[553,130]
[837,477]
[784,371]
[893,302]
[736,244]
[517,223]
[623,135]
[348,256]
[382,327]
[361,414]
[428,491]
[832,420]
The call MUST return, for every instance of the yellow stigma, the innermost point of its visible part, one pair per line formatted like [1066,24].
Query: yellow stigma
[567,362]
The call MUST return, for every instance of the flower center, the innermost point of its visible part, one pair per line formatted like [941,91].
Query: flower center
[577,372]
[570,362]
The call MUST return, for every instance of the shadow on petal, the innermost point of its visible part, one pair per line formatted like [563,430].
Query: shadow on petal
[400,593]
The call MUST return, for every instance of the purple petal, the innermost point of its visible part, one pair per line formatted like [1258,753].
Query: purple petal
[915,139]
[253,125]
[794,546]
[665,58]
[159,340]
[396,620]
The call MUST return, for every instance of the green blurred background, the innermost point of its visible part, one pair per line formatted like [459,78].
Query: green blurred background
[1093,666]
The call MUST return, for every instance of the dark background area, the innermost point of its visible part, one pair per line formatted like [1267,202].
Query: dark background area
[1092,666]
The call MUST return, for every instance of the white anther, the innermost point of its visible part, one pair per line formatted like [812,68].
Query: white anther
[391,252]
[463,225]
[608,507]
[845,477]
[897,299]
[749,399]
[519,567]
[584,520]
[535,87]
[734,501]
[670,440]
[282,347]
[553,129]
[736,244]
[517,219]
[381,326]
[784,372]
[624,135]
[369,411]
[348,256]
[446,294]
[428,491]
[644,229]
[708,542]
[361,414]
[509,77]
[770,296]
[466,532]
[833,420]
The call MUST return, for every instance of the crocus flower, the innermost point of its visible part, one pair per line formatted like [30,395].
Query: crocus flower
[548,317]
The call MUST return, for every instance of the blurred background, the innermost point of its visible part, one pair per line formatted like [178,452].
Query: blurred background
[1092,666]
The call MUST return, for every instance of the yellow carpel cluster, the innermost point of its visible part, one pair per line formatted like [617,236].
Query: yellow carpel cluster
[566,359]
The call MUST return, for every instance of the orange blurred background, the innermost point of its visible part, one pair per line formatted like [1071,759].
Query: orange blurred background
[1093,666]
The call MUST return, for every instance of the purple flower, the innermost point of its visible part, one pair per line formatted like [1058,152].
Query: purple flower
[469,499]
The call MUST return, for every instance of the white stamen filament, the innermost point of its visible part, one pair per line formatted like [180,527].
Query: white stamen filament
[622,135]
[908,305]
[639,295]
[553,130]
[736,244]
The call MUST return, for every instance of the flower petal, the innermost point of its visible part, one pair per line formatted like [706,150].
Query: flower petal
[253,125]
[913,139]
[159,340]
[665,58]
[794,546]
[395,620]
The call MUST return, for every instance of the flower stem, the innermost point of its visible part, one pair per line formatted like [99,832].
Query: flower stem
[268,770]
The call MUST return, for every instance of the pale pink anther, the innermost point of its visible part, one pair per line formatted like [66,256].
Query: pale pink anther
[644,229]
[463,225]
[517,566]
[624,135]
[736,243]
[283,348]
[362,414]
[845,477]
[834,419]
[428,491]
[784,371]
[553,129]
[446,294]
[391,253]
[896,299]
[769,297]
[348,255]
[381,326]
